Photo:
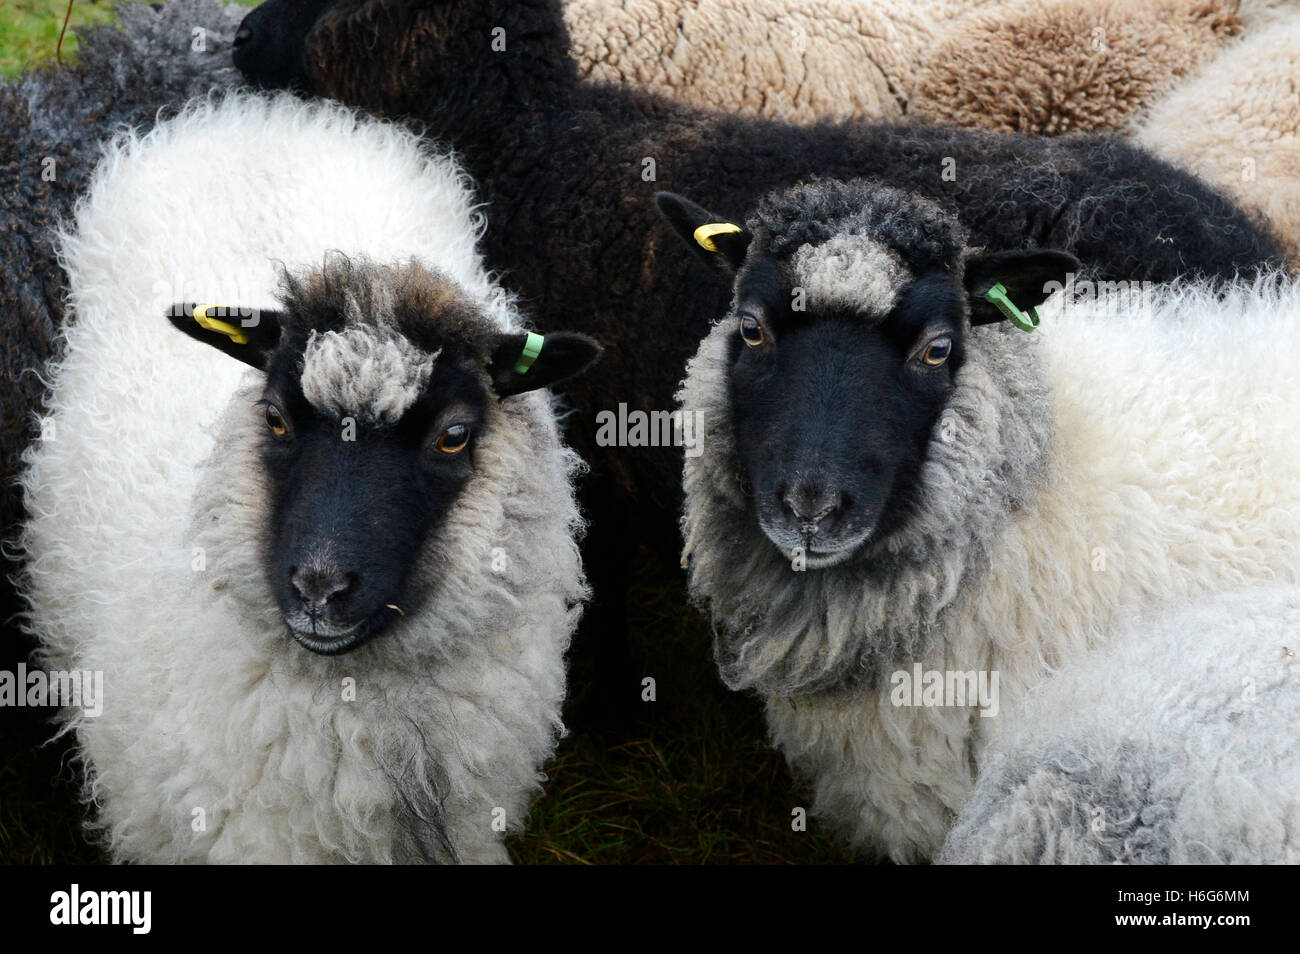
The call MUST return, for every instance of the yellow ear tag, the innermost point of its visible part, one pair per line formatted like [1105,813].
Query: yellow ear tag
[212,324]
[704,234]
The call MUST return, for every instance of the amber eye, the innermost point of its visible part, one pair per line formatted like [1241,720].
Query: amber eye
[751,330]
[454,439]
[937,351]
[275,421]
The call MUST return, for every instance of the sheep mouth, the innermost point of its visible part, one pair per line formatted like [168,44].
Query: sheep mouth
[815,558]
[817,554]
[333,639]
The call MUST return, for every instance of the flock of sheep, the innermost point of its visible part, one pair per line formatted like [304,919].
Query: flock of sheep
[306,341]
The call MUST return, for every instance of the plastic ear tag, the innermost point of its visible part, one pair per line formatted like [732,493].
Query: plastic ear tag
[1024,320]
[704,234]
[213,324]
[532,348]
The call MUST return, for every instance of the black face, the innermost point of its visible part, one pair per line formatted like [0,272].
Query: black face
[833,411]
[349,517]
[270,42]
[354,500]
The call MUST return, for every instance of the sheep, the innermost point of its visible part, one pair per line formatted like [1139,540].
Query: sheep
[1237,124]
[1188,756]
[1054,66]
[796,61]
[329,583]
[569,171]
[896,483]
[55,123]
[1044,66]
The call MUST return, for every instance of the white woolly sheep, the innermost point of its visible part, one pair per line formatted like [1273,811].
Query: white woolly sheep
[884,486]
[1173,745]
[55,122]
[325,633]
[1237,124]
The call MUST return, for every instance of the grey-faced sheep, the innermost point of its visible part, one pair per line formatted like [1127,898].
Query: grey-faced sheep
[569,171]
[322,549]
[896,484]
[1173,745]
[55,122]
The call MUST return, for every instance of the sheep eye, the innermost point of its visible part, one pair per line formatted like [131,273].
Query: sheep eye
[454,439]
[937,351]
[275,421]
[751,330]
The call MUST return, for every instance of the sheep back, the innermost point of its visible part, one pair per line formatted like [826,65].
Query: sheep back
[1237,124]
[1173,745]
[55,122]
[1055,66]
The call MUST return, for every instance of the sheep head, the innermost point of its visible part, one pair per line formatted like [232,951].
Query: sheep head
[853,307]
[379,382]
[466,58]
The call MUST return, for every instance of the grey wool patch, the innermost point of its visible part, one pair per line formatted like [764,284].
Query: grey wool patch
[370,373]
[851,271]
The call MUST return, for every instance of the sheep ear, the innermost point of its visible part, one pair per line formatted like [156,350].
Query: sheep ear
[247,334]
[527,361]
[1029,277]
[720,243]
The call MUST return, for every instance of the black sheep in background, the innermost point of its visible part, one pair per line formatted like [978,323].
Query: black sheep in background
[569,172]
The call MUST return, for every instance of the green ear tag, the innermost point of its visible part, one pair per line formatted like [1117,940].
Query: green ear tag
[532,348]
[1025,321]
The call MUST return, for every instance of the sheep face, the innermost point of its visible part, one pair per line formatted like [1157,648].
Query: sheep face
[833,407]
[379,383]
[852,308]
[269,44]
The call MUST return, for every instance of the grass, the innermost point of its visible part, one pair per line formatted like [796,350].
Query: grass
[693,783]
[29,30]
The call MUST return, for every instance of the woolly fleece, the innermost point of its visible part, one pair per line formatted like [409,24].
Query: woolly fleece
[65,114]
[1055,66]
[1237,124]
[1115,461]
[149,512]
[1186,756]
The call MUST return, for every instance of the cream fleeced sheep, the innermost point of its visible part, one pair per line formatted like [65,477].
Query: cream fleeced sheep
[222,739]
[805,61]
[1237,124]
[1173,745]
[1116,461]
[1013,65]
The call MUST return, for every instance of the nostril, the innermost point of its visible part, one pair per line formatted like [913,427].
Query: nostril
[810,503]
[316,587]
[242,36]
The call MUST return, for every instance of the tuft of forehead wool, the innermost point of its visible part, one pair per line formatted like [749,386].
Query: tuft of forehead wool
[373,374]
[853,272]
[856,244]
[368,331]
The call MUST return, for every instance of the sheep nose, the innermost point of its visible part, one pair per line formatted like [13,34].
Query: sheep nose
[810,503]
[317,586]
[242,35]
